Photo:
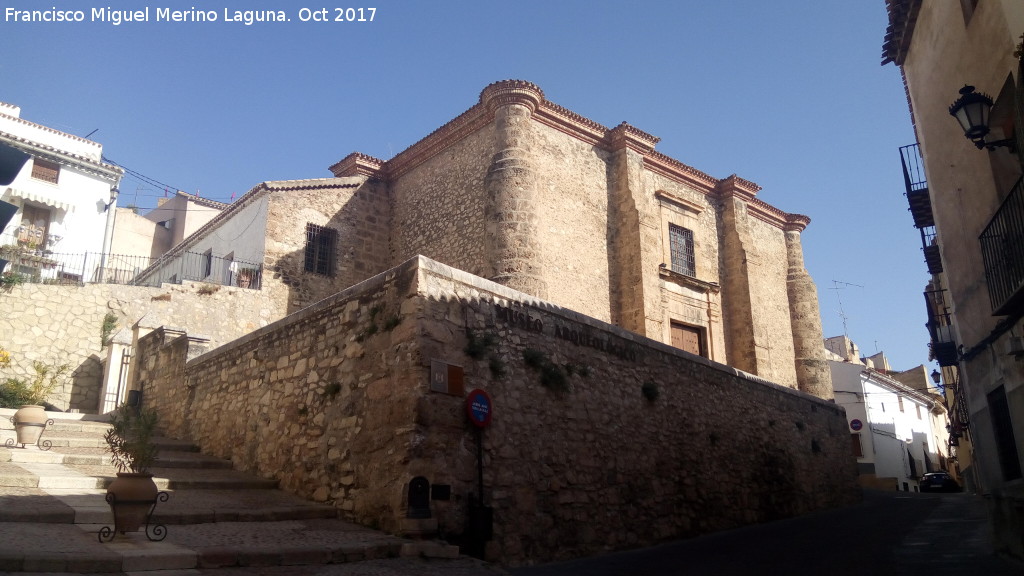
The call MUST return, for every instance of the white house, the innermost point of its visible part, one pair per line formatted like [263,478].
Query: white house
[65,194]
[895,429]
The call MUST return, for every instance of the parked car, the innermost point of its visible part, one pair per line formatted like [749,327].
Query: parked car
[938,482]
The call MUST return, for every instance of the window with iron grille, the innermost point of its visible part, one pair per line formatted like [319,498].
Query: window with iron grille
[45,170]
[681,248]
[321,249]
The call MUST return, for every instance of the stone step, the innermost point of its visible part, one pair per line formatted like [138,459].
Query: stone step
[101,457]
[89,506]
[33,547]
[90,476]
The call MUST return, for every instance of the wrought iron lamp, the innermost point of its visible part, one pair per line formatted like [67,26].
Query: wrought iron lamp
[936,377]
[972,111]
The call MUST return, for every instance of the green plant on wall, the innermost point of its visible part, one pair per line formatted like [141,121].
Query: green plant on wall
[552,376]
[10,279]
[107,329]
[650,390]
[477,345]
[15,392]
[332,390]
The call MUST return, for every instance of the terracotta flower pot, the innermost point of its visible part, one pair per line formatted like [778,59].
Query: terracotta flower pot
[131,497]
[29,422]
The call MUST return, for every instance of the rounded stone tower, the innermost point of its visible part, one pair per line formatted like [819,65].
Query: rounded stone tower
[511,183]
[812,372]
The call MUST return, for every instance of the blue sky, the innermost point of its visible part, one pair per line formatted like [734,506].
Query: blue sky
[787,94]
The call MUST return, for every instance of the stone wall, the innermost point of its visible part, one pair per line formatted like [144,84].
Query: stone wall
[601,439]
[325,400]
[357,208]
[62,325]
[439,206]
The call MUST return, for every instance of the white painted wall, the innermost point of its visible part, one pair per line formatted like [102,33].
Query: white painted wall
[77,201]
[875,400]
[242,236]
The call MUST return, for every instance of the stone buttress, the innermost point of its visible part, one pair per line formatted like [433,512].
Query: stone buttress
[633,235]
[510,185]
[812,371]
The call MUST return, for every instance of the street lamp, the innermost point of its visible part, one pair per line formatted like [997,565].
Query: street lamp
[972,111]
[936,377]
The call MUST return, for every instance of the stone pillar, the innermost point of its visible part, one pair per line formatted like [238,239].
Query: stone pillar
[738,255]
[812,372]
[510,185]
[633,235]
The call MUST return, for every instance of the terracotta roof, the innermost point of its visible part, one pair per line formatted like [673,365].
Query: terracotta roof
[62,156]
[201,201]
[902,19]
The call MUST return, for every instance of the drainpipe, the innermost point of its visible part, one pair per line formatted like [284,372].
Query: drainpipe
[108,232]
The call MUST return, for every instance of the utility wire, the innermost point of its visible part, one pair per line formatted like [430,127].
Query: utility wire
[143,177]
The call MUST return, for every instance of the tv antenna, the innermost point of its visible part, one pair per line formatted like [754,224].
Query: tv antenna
[842,313]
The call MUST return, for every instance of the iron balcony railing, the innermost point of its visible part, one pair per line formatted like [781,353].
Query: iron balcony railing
[45,267]
[1002,251]
[917,186]
[940,327]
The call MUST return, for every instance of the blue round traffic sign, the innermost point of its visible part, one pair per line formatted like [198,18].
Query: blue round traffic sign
[856,424]
[479,408]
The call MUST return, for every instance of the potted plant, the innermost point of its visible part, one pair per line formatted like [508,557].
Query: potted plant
[30,421]
[133,495]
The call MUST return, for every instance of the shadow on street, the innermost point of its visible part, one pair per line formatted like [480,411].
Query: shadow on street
[898,533]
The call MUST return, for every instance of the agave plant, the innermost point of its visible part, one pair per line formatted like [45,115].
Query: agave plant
[130,439]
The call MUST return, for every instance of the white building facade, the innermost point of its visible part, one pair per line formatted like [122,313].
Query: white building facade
[65,194]
[893,428]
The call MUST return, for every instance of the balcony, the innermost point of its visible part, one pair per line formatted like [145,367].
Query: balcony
[1002,251]
[943,344]
[917,186]
[932,257]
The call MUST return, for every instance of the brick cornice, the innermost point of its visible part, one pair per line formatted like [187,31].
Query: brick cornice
[509,92]
[357,164]
[627,136]
[796,222]
[523,93]
[675,170]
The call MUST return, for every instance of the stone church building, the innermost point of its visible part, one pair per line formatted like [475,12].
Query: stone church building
[531,195]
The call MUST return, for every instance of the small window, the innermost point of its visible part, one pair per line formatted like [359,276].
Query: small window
[899,399]
[918,407]
[855,445]
[45,170]
[321,249]
[681,249]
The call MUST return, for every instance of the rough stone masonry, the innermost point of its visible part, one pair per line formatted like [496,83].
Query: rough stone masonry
[601,439]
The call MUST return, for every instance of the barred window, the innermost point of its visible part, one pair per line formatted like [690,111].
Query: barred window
[681,247]
[321,249]
[45,170]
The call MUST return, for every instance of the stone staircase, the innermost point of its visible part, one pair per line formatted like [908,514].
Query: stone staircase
[52,507]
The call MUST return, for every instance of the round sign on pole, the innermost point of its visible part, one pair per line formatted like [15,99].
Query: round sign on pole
[479,408]
[856,425]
